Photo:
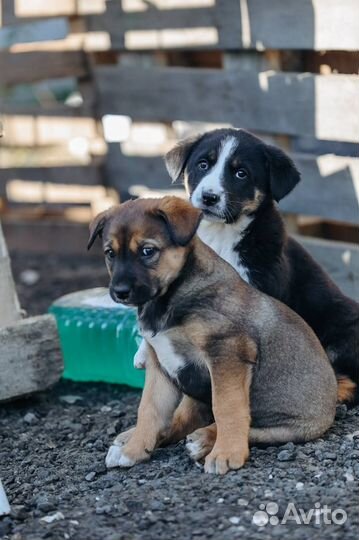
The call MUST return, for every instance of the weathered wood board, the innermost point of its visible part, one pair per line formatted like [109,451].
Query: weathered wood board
[80,175]
[315,24]
[30,357]
[326,107]
[340,260]
[31,32]
[9,304]
[15,11]
[27,67]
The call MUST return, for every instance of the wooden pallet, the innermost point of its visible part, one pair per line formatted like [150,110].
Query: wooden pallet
[30,358]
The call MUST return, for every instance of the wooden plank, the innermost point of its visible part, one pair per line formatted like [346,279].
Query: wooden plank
[72,237]
[52,29]
[30,358]
[14,11]
[21,68]
[329,188]
[4,503]
[35,131]
[295,104]
[326,180]
[340,260]
[234,24]
[10,308]
[81,175]
[47,109]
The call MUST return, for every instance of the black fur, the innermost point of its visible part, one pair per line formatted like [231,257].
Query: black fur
[280,267]
[276,263]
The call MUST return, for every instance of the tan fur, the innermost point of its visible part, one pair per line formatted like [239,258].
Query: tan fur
[170,264]
[252,204]
[189,415]
[230,401]
[115,244]
[158,403]
[346,389]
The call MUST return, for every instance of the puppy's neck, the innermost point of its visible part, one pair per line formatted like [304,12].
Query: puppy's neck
[217,229]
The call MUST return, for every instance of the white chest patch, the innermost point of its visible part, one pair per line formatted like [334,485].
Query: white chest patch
[222,238]
[167,357]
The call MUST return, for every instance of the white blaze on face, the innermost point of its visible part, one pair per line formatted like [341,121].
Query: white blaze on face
[213,180]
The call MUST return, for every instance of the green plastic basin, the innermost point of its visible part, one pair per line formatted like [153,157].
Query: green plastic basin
[99,338]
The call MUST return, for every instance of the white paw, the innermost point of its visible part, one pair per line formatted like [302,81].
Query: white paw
[117,458]
[139,360]
[194,448]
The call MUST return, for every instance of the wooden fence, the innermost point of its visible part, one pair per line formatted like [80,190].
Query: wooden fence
[265,66]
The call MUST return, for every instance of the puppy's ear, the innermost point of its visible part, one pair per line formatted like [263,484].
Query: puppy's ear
[97,225]
[176,158]
[284,175]
[181,219]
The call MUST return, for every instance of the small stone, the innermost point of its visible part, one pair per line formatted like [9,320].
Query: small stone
[45,506]
[70,400]
[234,520]
[29,277]
[242,502]
[19,512]
[349,477]
[30,418]
[299,485]
[329,455]
[220,500]
[341,412]
[285,455]
[53,517]
[106,509]
[90,476]
[105,408]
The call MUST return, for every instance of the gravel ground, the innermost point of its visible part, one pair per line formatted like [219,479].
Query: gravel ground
[52,463]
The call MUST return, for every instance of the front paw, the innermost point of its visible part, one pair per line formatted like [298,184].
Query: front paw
[224,459]
[116,457]
[127,455]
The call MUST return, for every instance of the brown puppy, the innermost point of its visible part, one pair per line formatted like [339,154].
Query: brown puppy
[215,345]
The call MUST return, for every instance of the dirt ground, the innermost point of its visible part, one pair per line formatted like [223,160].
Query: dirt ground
[52,450]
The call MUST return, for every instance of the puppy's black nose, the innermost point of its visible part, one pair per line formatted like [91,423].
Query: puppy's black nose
[209,198]
[122,292]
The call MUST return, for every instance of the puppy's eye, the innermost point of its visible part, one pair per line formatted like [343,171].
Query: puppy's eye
[203,165]
[241,174]
[109,252]
[148,251]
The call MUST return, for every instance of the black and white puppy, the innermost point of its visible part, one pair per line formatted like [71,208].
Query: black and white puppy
[236,179]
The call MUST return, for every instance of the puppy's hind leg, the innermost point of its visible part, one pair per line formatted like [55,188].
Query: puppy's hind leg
[200,443]
[189,415]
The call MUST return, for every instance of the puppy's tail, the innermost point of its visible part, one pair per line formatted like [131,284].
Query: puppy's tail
[298,433]
[346,389]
